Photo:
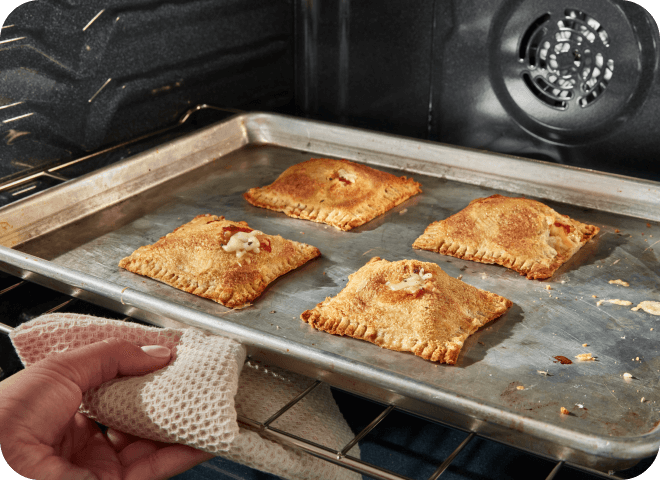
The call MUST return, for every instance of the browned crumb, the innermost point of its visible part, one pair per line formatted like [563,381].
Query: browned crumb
[520,387]
[619,282]
[564,411]
[585,345]
[616,230]
[563,360]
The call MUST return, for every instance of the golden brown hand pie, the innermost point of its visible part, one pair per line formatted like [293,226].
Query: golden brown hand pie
[337,192]
[522,234]
[408,306]
[214,258]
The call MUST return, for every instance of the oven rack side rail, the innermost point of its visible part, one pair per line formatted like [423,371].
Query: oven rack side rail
[342,457]
[19,185]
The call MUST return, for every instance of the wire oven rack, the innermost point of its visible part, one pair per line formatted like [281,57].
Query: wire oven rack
[16,310]
[14,302]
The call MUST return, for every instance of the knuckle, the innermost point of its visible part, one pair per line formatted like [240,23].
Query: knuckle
[155,467]
[114,342]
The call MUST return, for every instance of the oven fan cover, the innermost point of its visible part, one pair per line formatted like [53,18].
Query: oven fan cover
[566,59]
[570,72]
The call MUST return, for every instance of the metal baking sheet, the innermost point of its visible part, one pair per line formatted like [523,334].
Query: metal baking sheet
[72,237]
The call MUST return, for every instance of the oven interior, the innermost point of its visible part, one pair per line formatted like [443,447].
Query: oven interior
[86,84]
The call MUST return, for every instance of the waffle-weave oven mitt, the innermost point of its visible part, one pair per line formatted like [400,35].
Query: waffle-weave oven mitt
[195,399]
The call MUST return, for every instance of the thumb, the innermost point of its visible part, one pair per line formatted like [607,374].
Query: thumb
[94,364]
[44,397]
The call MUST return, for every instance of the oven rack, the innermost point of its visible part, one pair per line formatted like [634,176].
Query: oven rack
[33,180]
[11,286]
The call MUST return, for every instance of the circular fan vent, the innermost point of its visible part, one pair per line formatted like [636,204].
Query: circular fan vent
[571,72]
[567,59]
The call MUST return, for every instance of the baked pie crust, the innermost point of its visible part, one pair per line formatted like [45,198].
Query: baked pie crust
[337,192]
[194,258]
[522,234]
[430,318]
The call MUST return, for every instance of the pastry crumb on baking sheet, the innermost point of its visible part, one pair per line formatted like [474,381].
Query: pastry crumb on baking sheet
[618,281]
[615,301]
[585,357]
[649,307]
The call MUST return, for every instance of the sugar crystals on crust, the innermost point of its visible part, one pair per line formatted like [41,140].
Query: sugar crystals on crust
[218,259]
[522,234]
[337,192]
[408,306]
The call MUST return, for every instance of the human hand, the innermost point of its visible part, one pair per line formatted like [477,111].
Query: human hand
[43,436]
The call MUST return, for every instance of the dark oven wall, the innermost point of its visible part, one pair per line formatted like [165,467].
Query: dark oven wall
[76,76]
[571,81]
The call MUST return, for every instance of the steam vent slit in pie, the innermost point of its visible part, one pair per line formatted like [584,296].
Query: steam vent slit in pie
[408,306]
[521,234]
[337,192]
[218,259]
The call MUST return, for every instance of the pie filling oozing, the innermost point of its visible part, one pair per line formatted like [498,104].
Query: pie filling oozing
[522,234]
[218,259]
[337,192]
[409,306]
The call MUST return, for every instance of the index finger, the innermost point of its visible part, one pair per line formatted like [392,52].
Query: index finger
[94,364]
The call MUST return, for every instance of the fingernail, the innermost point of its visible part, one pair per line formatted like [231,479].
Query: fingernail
[157,351]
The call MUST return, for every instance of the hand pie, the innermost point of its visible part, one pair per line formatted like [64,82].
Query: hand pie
[524,235]
[337,192]
[214,258]
[408,306]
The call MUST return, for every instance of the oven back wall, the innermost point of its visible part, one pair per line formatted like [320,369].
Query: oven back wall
[571,82]
[79,75]
[574,82]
